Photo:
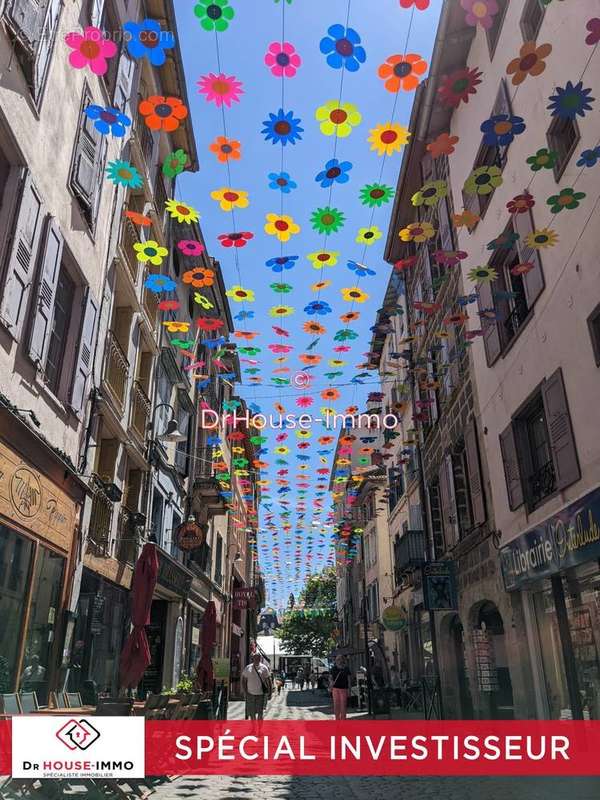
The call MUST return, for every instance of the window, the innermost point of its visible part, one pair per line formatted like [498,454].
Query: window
[563,136]
[109,24]
[462,499]
[435,516]
[63,307]
[594,329]
[493,33]
[87,167]
[156,524]
[219,560]
[542,479]
[531,19]
[396,484]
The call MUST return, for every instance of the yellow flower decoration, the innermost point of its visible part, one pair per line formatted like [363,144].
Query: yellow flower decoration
[417,232]
[302,434]
[338,119]
[388,138]
[238,294]
[150,251]
[281,226]
[203,301]
[369,236]
[282,450]
[327,411]
[175,327]
[318,287]
[181,211]
[337,362]
[280,311]
[280,360]
[323,258]
[229,199]
[354,294]
[542,238]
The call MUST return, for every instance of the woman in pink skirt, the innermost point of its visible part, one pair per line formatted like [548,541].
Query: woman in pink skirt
[339,684]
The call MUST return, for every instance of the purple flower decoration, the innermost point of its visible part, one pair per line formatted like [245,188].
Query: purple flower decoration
[480,12]
[593,26]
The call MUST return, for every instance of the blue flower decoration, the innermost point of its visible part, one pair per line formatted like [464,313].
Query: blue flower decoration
[213,441]
[159,283]
[282,128]
[334,172]
[281,262]
[108,120]
[342,48]
[317,307]
[148,39]
[501,129]
[244,315]
[281,181]
[571,101]
[589,158]
[360,269]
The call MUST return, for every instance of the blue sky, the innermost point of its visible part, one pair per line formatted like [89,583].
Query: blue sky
[384,30]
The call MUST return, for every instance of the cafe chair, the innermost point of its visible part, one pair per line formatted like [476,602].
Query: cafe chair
[10,704]
[73,700]
[29,702]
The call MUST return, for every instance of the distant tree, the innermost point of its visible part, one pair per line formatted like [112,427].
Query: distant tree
[308,629]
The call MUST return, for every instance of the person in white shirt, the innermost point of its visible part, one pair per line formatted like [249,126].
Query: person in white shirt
[257,687]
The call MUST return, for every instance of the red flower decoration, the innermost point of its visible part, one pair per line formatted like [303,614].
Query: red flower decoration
[520,204]
[280,348]
[190,247]
[168,305]
[235,239]
[522,269]
[457,87]
[449,258]
[443,145]
[209,324]
[280,331]
[421,5]
[405,263]
[304,402]
[303,445]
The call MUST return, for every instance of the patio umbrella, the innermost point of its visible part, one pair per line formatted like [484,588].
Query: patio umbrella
[204,670]
[136,652]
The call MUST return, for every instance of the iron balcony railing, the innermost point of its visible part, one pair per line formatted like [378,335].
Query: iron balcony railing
[116,371]
[542,484]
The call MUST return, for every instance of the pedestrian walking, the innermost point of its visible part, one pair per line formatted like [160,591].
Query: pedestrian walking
[300,678]
[340,684]
[257,687]
[279,683]
[313,681]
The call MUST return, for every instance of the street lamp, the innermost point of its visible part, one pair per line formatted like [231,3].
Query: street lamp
[171,432]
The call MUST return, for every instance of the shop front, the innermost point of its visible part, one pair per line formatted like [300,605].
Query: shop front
[556,566]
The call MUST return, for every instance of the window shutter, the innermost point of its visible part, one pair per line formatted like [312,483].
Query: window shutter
[474,469]
[512,473]
[46,44]
[83,363]
[491,328]
[25,18]
[445,226]
[533,280]
[96,11]
[49,271]
[446,504]
[84,175]
[427,168]
[124,87]
[502,104]
[99,180]
[560,431]
[22,257]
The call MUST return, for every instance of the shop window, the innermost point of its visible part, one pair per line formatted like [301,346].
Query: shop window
[87,166]
[15,561]
[593,322]
[531,19]
[563,136]
[493,32]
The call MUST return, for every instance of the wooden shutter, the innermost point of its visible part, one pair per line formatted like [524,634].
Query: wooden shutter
[25,18]
[96,11]
[446,504]
[84,173]
[124,87]
[560,431]
[533,280]
[491,328]
[445,226]
[512,473]
[474,470]
[39,339]
[46,43]
[83,363]
[22,255]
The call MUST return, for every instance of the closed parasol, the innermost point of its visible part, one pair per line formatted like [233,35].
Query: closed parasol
[135,657]
[204,670]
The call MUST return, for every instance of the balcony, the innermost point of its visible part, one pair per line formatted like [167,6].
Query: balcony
[207,490]
[116,371]
[150,305]
[541,484]
[100,519]
[140,411]
[130,237]
[410,552]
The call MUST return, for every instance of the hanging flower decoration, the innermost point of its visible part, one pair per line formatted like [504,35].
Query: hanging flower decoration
[203,301]
[368,236]
[190,247]
[417,232]
[199,277]
[281,226]
[220,89]
[402,72]
[317,307]
[543,159]
[327,220]
[282,59]
[457,87]
[354,295]
[484,274]
[310,358]
[281,311]
[570,101]
[150,251]
[146,39]
[138,219]
[388,138]
[281,288]
[108,120]
[374,195]
[209,323]
[320,286]
[281,181]
[240,295]
[304,402]
[225,149]
[214,15]
[522,269]
[531,61]
[314,328]
[169,305]
[350,316]
[593,26]
[405,263]
[589,158]
[90,50]
[430,193]
[159,283]
[163,113]
[449,258]
[421,5]
[229,199]
[175,163]
[505,241]
[361,270]
[345,335]
[182,212]
[282,128]
[338,119]
[323,258]
[122,173]
[520,204]
[567,198]
[466,219]
[343,48]
[480,12]
[334,172]
[501,129]
[483,180]
[236,239]
[281,263]
[330,394]
[443,145]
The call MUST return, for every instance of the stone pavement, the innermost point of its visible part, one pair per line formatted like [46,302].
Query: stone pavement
[296,705]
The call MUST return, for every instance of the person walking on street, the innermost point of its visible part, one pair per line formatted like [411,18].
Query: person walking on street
[300,678]
[257,687]
[339,684]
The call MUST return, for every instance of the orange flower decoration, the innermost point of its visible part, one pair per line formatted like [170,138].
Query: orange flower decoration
[365,451]
[247,335]
[225,149]
[466,219]
[309,358]
[351,316]
[443,145]
[347,439]
[330,394]
[529,62]
[325,439]
[199,277]
[314,327]
[138,219]
[401,72]
[163,113]
[279,408]
[351,410]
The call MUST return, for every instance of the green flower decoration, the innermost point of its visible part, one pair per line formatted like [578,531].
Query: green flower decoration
[174,163]
[252,371]
[483,180]
[430,193]
[248,351]
[281,381]
[327,220]
[345,335]
[331,375]
[375,195]
[543,159]
[483,274]
[122,173]
[182,343]
[281,288]
[258,439]
[566,198]
[214,15]
[240,463]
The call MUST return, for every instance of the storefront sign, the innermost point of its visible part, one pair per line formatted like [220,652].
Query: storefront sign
[29,498]
[172,575]
[439,586]
[221,669]
[565,540]
[394,618]
[190,536]
[244,598]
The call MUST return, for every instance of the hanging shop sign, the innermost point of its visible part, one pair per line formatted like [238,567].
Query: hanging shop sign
[190,535]
[244,597]
[394,618]
[568,538]
[439,586]
[173,576]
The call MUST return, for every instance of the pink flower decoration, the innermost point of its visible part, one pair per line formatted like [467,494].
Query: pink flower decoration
[304,402]
[280,348]
[282,59]
[420,4]
[90,50]
[480,12]
[190,247]
[341,348]
[220,89]
[593,26]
